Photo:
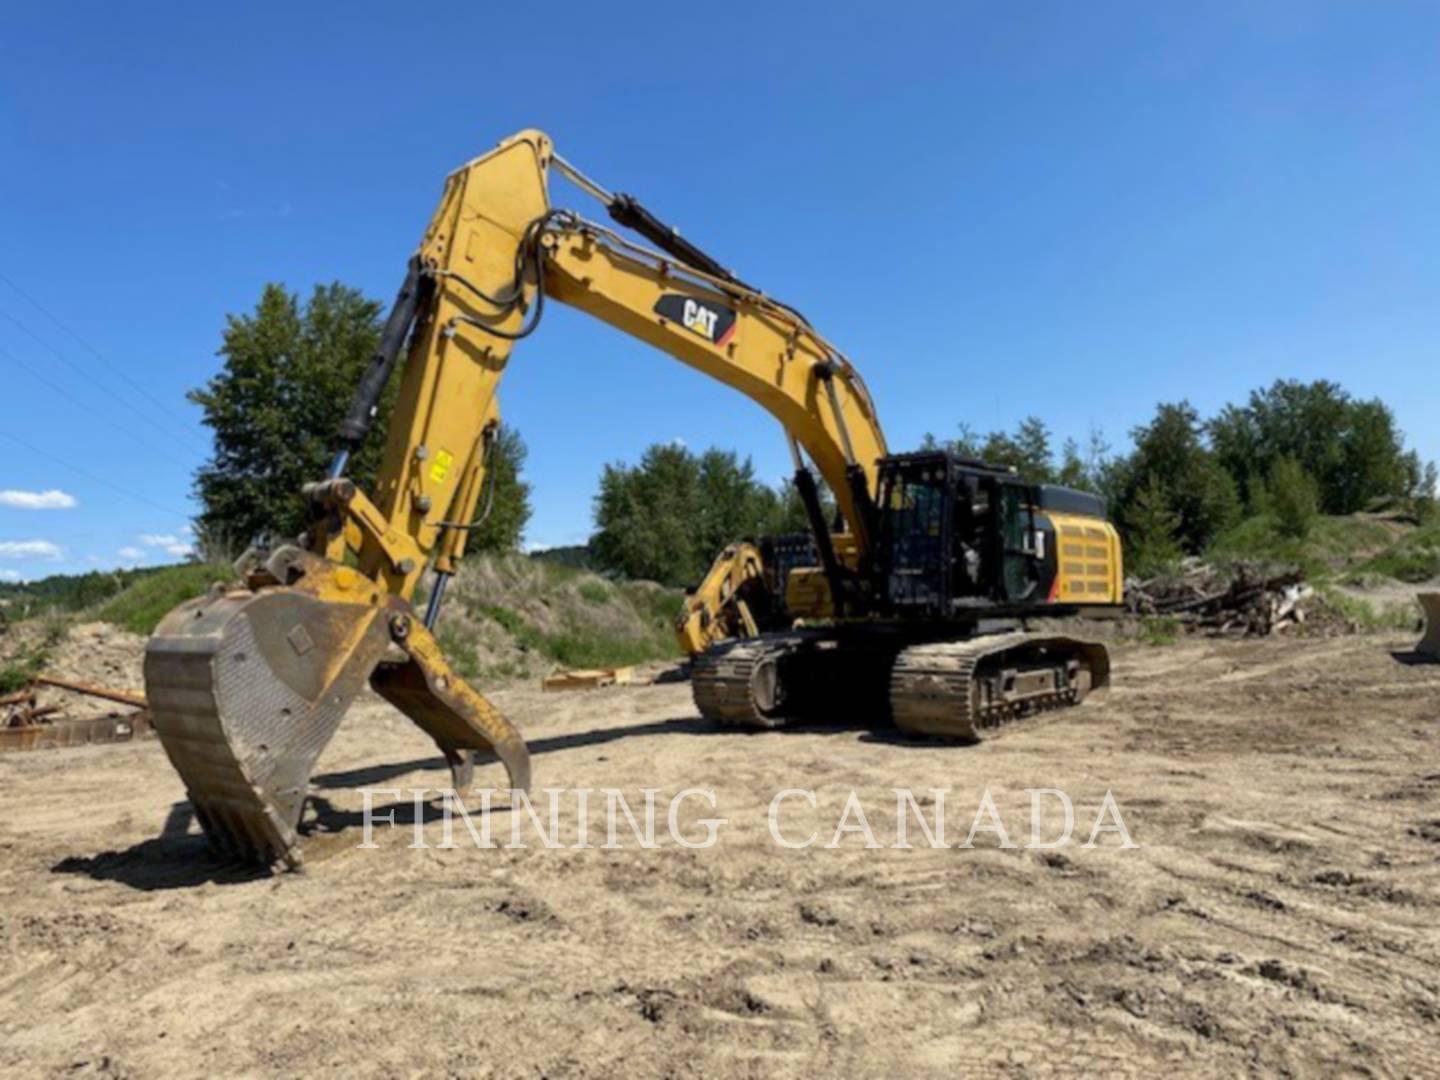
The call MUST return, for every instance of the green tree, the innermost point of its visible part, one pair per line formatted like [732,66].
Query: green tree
[645,517]
[1294,497]
[732,502]
[1257,496]
[790,516]
[288,375]
[1424,501]
[1152,539]
[667,517]
[506,507]
[1084,469]
[1351,449]
[1027,451]
[1171,456]
[1072,472]
[275,405]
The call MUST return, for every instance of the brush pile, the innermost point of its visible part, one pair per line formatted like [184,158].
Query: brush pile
[1242,599]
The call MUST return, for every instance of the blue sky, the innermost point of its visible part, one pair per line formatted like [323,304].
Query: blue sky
[1076,210]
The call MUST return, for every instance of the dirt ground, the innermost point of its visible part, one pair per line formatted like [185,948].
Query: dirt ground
[1278,916]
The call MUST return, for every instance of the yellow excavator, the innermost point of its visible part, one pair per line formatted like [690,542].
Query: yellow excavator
[724,604]
[912,610]
[742,593]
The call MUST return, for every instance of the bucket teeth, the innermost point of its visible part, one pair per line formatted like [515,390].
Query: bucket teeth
[246,690]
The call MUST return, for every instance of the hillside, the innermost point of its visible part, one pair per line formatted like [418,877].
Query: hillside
[506,617]
[1367,566]
[509,617]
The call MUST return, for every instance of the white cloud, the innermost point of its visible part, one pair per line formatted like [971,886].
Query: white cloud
[9,575]
[30,549]
[169,543]
[131,553]
[36,500]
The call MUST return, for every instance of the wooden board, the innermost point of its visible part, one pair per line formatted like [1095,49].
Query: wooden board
[589,678]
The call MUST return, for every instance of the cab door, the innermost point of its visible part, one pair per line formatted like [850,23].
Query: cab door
[1015,520]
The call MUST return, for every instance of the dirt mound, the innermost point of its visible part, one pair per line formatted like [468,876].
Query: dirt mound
[98,653]
[511,617]
[505,618]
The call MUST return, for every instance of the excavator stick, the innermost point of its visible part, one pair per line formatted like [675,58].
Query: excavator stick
[1430,644]
[247,688]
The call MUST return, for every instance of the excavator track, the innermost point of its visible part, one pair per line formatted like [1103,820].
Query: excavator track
[948,689]
[737,683]
[966,689]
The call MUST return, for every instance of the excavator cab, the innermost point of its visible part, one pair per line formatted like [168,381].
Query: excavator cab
[958,535]
[953,534]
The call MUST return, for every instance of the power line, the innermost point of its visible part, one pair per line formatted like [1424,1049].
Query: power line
[119,371]
[50,457]
[87,376]
[58,388]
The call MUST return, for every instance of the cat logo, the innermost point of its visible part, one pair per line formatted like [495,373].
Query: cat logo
[700,319]
[715,324]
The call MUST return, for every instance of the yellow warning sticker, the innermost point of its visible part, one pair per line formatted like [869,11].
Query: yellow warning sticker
[441,468]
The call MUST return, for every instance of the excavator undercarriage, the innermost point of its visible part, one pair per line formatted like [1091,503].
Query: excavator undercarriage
[926,684]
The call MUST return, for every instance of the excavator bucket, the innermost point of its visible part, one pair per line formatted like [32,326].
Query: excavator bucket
[247,687]
[1430,644]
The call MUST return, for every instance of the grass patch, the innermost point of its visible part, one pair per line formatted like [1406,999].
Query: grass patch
[1159,630]
[558,573]
[514,625]
[19,670]
[522,616]
[1404,564]
[655,604]
[1413,558]
[460,644]
[581,646]
[594,592]
[144,603]
[1333,544]
[17,674]
[1365,615]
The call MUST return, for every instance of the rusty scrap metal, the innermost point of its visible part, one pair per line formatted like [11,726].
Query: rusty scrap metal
[52,734]
[27,725]
[122,697]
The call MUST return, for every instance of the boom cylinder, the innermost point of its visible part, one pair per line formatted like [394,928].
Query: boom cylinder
[366,402]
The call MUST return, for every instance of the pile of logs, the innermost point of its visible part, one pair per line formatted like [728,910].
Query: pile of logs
[1242,599]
